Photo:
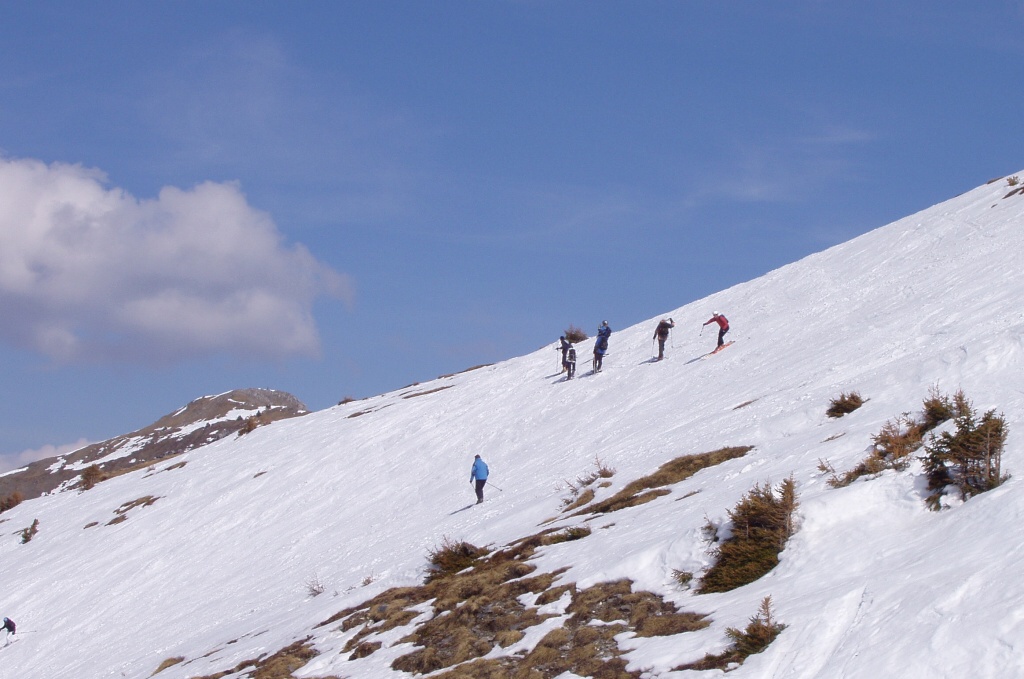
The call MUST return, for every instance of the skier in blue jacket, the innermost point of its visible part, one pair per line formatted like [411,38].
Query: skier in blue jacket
[479,474]
[601,345]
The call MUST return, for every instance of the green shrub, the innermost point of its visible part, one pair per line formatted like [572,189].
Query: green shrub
[762,522]
[938,408]
[761,631]
[969,458]
[28,533]
[844,403]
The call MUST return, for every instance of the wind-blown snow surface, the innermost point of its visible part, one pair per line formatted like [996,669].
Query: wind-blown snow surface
[872,584]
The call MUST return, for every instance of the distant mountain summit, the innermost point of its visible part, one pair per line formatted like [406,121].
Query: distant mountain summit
[202,421]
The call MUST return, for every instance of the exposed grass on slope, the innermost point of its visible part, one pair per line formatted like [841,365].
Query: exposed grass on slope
[452,557]
[122,511]
[580,493]
[674,471]
[169,662]
[280,665]
[476,597]
[585,645]
[477,609]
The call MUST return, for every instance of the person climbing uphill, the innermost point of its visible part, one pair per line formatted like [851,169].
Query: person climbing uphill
[661,334]
[564,347]
[723,327]
[601,345]
[479,474]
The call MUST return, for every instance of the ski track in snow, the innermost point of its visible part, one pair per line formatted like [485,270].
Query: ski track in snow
[872,584]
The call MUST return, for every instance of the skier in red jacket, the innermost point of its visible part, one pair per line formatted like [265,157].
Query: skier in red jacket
[723,327]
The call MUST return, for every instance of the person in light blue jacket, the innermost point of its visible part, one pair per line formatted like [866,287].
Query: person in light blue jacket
[479,474]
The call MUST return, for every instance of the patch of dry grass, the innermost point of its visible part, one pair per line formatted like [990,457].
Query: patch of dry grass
[169,662]
[482,607]
[667,474]
[585,645]
[844,403]
[451,557]
[122,511]
[280,665]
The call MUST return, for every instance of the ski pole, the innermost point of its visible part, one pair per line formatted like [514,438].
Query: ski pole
[495,487]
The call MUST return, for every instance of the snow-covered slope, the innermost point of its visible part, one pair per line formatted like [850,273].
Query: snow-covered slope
[216,568]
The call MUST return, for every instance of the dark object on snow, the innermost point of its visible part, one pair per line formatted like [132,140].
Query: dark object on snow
[661,334]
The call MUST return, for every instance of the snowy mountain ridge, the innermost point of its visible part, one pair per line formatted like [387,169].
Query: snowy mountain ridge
[195,424]
[212,562]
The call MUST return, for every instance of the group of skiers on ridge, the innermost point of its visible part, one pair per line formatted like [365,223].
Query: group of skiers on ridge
[660,334]
[479,472]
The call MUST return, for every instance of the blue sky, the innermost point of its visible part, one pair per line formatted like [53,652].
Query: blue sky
[341,198]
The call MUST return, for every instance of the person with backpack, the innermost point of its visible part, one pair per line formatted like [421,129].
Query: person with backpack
[478,474]
[565,346]
[661,334]
[570,362]
[601,345]
[723,327]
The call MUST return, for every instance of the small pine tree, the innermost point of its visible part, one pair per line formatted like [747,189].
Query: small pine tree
[761,631]
[969,458]
[938,408]
[762,522]
[28,533]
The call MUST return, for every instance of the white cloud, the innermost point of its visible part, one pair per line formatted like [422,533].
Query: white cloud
[89,272]
[25,457]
